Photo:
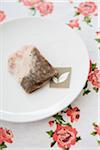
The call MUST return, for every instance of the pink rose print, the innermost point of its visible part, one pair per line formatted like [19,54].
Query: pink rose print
[71,1]
[30,3]
[51,123]
[42,6]
[73,113]
[74,23]
[65,136]
[98,38]
[5,136]
[2,15]
[96,131]
[94,78]
[98,32]
[45,8]
[90,67]
[86,8]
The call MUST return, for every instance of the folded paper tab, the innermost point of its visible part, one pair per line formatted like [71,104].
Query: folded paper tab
[62,80]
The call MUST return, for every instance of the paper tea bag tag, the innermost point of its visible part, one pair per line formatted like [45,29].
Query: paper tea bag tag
[63,78]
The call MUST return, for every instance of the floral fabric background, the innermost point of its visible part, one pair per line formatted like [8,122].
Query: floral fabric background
[78,126]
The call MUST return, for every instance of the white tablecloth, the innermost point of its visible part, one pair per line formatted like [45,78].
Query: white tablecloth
[33,136]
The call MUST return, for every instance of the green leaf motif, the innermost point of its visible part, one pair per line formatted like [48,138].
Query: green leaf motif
[94,124]
[86,85]
[66,148]
[2,146]
[87,19]
[94,133]
[98,142]
[96,89]
[59,118]
[70,107]
[86,92]
[78,139]
[33,10]
[63,111]
[98,40]
[79,28]
[50,133]
[68,124]
[53,143]
[77,14]
[94,66]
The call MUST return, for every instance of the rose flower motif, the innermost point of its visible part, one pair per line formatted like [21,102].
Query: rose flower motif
[86,8]
[98,32]
[30,3]
[2,15]
[74,23]
[65,136]
[97,129]
[51,123]
[6,136]
[90,70]
[94,78]
[73,113]
[45,8]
